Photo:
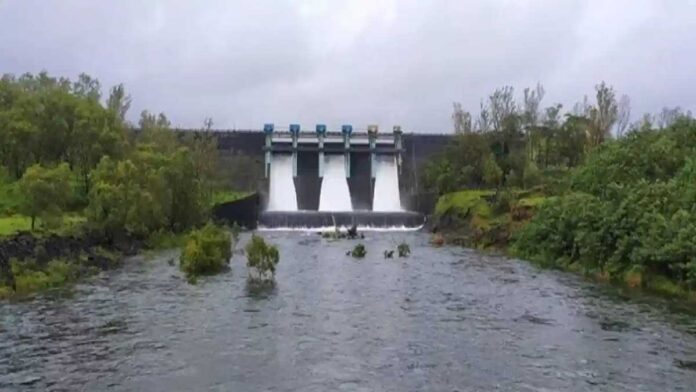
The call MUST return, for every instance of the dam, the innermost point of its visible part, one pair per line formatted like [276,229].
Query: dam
[325,178]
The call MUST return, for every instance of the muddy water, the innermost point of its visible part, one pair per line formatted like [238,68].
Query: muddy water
[445,319]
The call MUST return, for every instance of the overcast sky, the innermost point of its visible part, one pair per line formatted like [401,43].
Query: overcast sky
[245,63]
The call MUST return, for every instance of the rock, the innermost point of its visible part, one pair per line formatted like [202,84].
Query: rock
[353,232]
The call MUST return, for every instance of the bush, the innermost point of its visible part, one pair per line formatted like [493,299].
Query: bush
[632,216]
[262,258]
[359,251]
[503,202]
[403,249]
[207,251]
[532,176]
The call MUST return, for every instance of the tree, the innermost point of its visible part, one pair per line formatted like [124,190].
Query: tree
[483,124]
[94,137]
[461,119]
[492,174]
[604,114]
[532,100]
[45,191]
[118,102]
[624,115]
[87,87]
[501,106]
[669,116]
[127,196]
[155,130]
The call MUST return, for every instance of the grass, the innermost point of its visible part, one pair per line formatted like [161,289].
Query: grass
[13,224]
[10,199]
[226,196]
[471,201]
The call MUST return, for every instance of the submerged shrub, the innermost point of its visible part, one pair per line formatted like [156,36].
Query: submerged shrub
[262,258]
[207,251]
[358,251]
[403,249]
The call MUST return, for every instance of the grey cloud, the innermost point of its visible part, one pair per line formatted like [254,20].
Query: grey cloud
[365,61]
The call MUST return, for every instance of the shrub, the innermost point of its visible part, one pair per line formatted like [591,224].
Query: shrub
[532,176]
[503,202]
[207,251]
[358,251]
[262,258]
[403,249]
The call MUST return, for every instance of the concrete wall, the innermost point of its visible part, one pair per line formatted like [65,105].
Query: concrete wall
[417,149]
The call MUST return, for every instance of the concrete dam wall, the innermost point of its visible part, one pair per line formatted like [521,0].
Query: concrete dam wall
[417,148]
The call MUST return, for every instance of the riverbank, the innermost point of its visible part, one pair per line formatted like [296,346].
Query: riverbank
[490,221]
[32,262]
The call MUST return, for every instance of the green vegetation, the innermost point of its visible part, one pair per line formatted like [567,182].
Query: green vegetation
[630,220]
[70,164]
[45,193]
[584,191]
[207,252]
[69,223]
[226,196]
[358,251]
[67,149]
[262,258]
[29,276]
[403,250]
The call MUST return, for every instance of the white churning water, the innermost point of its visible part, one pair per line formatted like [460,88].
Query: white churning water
[386,197]
[335,195]
[282,195]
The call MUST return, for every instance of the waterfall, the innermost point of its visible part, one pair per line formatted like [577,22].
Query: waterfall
[335,195]
[282,195]
[386,196]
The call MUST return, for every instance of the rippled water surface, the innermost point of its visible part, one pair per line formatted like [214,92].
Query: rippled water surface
[445,319]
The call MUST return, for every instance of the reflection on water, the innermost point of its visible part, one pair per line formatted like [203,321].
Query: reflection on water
[444,319]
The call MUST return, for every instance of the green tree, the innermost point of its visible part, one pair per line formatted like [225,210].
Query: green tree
[45,191]
[126,197]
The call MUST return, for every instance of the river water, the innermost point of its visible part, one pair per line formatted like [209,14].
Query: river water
[444,319]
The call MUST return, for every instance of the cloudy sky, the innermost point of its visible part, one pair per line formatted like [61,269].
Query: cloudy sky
[245,63]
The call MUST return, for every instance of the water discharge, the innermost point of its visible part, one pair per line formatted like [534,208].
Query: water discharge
[386,196]
[335,195]
[443,319]
[282,195]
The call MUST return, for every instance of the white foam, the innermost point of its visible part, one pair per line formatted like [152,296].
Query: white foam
[335,195]
[386,196]
[332,228]
[282,195]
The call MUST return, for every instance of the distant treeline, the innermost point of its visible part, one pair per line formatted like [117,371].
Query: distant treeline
[510,142]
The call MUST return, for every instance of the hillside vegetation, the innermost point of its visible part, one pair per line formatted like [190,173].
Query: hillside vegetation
[583,191]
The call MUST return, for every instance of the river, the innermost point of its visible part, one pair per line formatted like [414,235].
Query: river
[444,319]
